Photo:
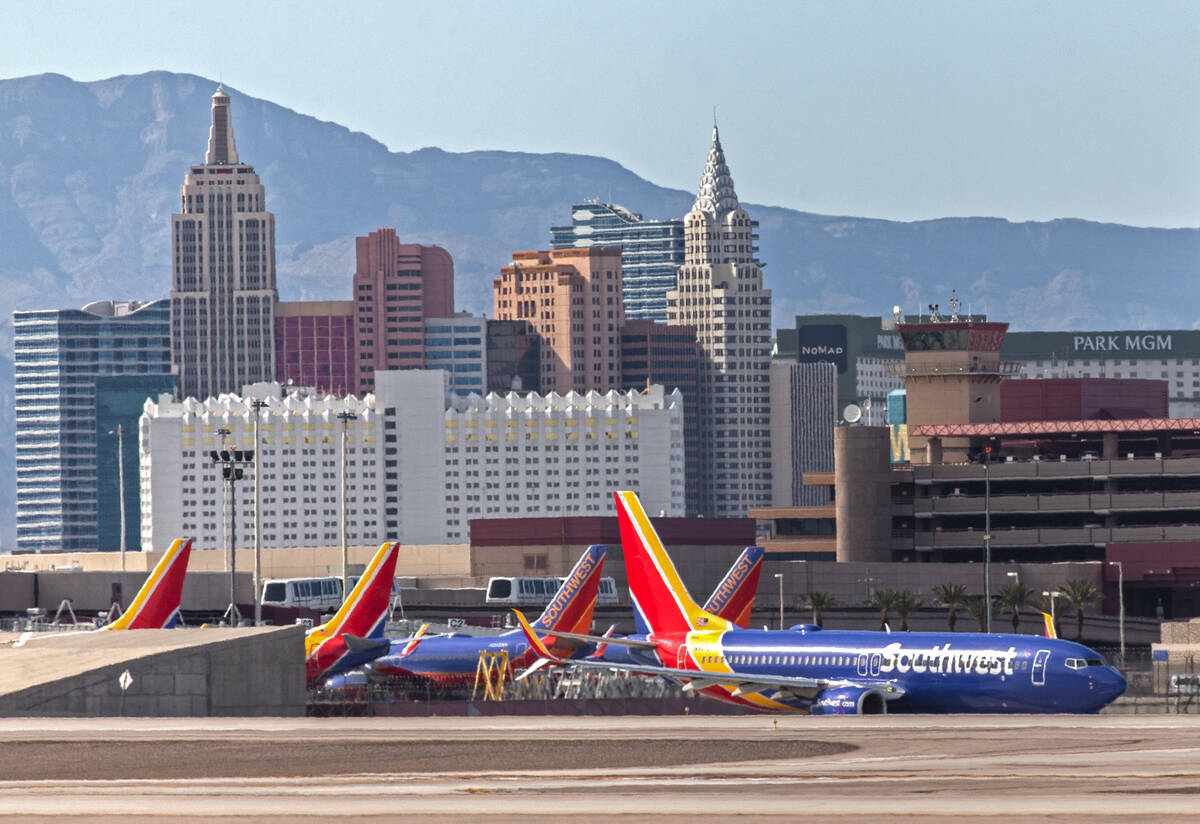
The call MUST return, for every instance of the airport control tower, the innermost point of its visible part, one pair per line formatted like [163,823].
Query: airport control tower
[952,372]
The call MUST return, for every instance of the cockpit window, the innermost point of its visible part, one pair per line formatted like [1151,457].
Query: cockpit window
[1081,663]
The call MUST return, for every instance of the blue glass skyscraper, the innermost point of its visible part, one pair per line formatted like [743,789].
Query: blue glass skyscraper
[59,355]
[651,251]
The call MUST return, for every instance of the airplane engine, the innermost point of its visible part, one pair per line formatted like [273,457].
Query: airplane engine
[849,701]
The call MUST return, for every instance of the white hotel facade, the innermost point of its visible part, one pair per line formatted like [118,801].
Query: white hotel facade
[420,462]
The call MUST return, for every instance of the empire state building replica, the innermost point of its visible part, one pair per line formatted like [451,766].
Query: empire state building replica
[222,271]
[719,290]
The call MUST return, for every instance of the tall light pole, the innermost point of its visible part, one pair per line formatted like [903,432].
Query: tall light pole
[987,537]
[120,433]
[345,418]
[779,578]
[258,405]
[1121,601]
[231,462]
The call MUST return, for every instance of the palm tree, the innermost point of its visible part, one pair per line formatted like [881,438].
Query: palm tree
[951,596]
[819,602]
[1080,594]
[907,602]
[977,608]
[884,600]
[1013,596]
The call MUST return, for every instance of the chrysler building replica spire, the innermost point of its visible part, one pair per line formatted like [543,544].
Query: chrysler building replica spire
[720,291]
[222,272]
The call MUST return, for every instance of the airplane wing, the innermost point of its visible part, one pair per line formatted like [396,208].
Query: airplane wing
[356,643]
[743,683]
[636,643]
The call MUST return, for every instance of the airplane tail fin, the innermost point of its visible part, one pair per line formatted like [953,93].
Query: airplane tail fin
[654,584]
[733,599]
[365,611]
[157,602]
[1051,632]
[572,606]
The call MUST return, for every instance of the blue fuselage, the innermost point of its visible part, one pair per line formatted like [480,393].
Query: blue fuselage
[937,672]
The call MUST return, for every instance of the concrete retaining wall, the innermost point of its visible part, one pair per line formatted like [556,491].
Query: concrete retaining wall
[185,672]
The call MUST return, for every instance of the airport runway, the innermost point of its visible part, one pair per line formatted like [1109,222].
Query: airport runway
[710,768]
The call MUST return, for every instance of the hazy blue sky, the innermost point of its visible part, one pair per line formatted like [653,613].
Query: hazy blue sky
[905,110]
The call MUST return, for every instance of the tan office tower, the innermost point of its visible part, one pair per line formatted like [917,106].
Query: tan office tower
[222,272]
[572,299]
[720,291]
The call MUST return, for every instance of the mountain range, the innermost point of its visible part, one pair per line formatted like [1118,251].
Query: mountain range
[89,177]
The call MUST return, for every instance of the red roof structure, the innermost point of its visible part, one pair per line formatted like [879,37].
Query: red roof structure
[1017,429]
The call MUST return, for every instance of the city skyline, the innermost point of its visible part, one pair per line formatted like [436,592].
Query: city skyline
[906,112]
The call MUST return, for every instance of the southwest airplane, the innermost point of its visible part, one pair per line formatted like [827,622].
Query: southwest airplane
[846,672]
[733,600]
[451,661]
[343,642]
[156,605]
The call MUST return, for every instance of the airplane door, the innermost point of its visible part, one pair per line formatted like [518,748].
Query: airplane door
[1038,671]
[876,662]
[863,664]
[681,661]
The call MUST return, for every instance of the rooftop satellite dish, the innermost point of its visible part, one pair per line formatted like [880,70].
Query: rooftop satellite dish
[852,413]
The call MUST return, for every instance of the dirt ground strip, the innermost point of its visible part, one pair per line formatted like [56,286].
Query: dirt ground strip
[206,758]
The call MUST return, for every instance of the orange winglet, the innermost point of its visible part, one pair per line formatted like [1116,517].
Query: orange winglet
[533,639]
[416,639]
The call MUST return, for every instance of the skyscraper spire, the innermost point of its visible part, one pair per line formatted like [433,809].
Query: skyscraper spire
[716,195]
[222,150]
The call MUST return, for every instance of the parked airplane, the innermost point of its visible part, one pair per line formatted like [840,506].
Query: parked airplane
[452,660]
[156,605]
[733,600]
[846,672]
[352,636]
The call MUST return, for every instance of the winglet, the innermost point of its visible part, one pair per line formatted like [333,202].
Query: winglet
[416,639]
[156,603]
[602,648]
[533,639]
[1049,622]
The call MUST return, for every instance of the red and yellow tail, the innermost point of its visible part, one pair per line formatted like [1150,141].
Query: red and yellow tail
[733,599]
[364,611]
[655,586]
[363,614]
[572,606]
[158,600]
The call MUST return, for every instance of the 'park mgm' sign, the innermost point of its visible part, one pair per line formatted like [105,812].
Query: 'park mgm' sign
[1122,342]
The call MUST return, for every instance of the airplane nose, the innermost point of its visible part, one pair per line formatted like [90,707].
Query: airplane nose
[1111,684]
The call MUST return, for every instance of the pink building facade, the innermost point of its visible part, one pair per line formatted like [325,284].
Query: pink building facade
[314,345]
[397,286]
